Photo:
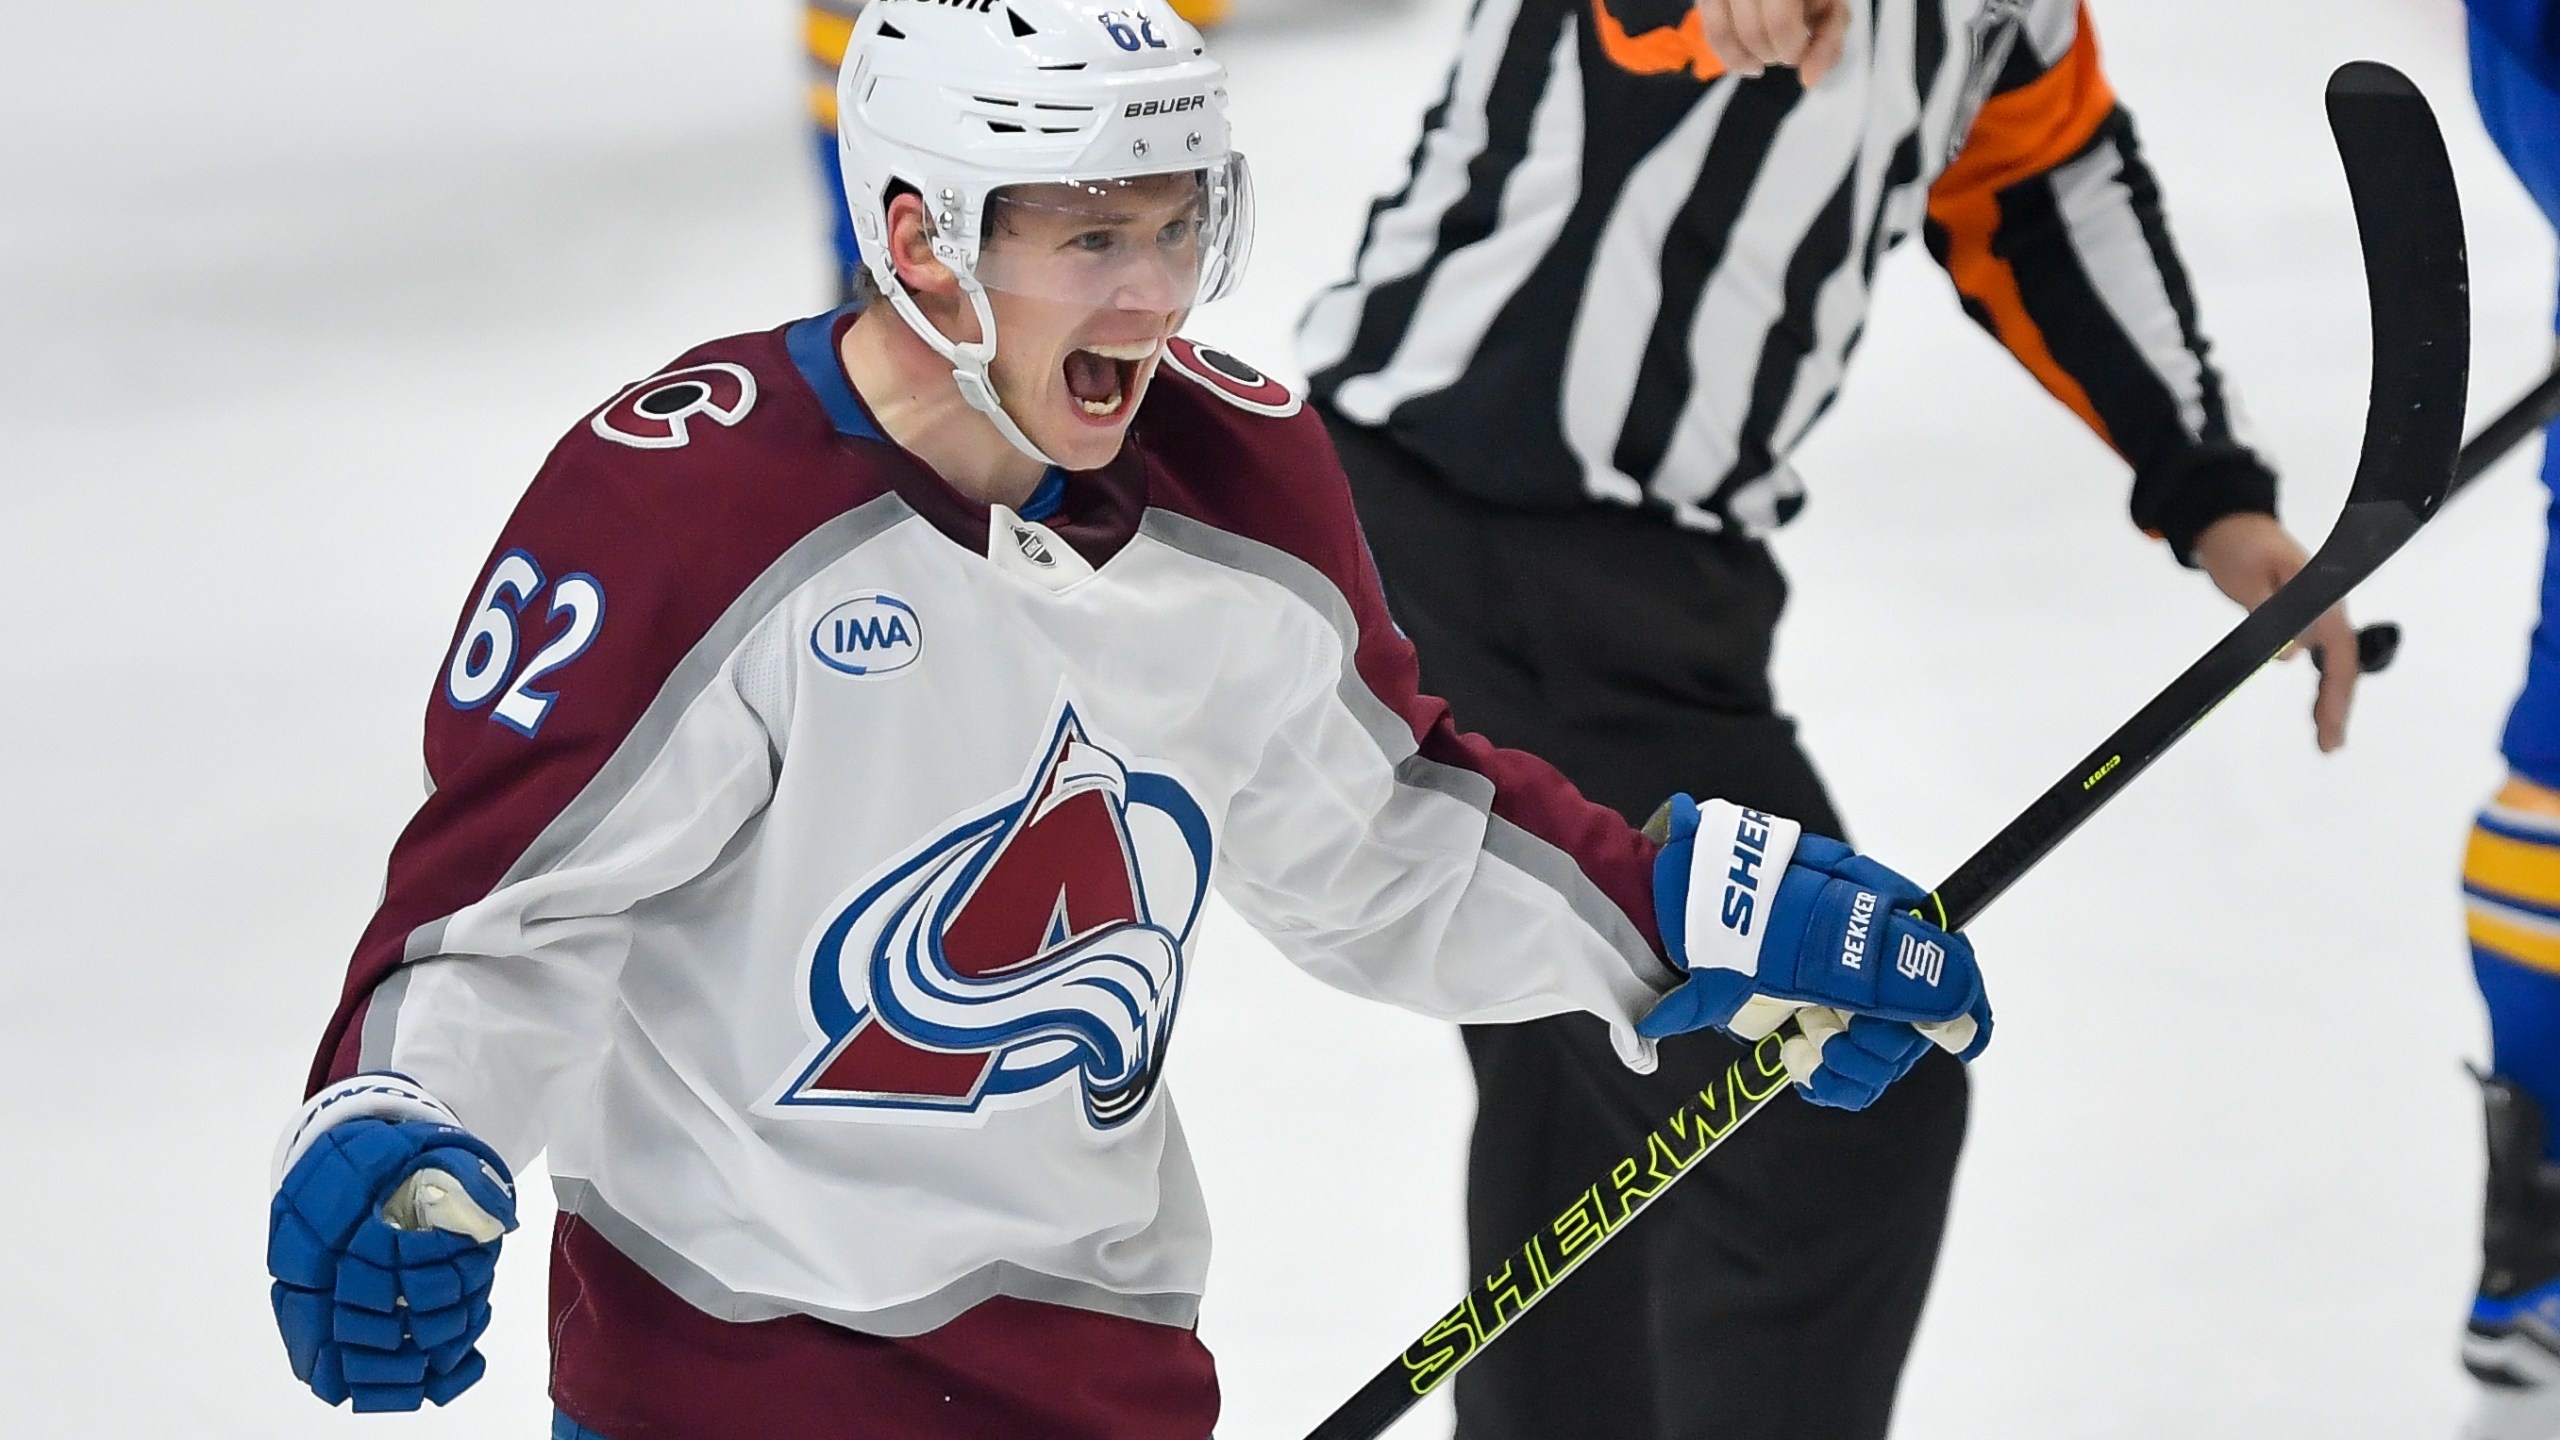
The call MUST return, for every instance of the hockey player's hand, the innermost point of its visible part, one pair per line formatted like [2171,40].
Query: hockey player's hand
[2251,556]
[383,1240]
[1771,922]
[1751,35]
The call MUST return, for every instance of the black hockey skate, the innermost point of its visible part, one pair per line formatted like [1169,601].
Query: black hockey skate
[2512,1344]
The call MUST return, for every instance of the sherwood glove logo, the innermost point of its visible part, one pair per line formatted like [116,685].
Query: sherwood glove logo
[1742,882]
[1036,944]
[1921,960]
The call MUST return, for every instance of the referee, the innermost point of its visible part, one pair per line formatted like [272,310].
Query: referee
[1619,285]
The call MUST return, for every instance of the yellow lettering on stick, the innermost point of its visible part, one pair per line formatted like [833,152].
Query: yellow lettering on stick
[1442,1349]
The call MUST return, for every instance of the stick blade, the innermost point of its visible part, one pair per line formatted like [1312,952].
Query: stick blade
[2417,278]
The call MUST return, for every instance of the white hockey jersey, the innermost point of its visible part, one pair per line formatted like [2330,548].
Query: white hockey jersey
[815,857]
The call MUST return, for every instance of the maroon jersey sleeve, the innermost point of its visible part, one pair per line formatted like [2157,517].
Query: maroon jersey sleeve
[1233,451]
[646,531]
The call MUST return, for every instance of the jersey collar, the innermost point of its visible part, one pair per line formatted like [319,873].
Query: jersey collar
[813,345]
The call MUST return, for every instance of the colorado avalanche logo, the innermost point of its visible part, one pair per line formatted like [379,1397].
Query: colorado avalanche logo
[657,413]
[1037,944]
[1232,380]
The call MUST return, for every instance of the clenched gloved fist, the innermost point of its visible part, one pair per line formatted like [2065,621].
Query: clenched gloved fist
[383,1240]
[1770,922]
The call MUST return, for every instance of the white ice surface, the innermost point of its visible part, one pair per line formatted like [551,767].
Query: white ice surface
[293,297]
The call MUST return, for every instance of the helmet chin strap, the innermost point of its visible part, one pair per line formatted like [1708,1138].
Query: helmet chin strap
[969,362]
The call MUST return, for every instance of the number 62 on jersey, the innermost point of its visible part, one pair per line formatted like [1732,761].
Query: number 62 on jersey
[484,665]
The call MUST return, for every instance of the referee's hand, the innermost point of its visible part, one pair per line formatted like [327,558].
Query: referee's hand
[1751,35]
[2250,556]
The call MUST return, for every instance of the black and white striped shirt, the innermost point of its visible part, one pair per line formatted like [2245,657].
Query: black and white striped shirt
[1616,273]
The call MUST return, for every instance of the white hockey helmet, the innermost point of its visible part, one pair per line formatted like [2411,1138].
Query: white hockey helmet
[974,104]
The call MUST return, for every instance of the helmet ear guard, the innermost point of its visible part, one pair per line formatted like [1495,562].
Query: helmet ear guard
[880,242]
[957,106]
[971,360]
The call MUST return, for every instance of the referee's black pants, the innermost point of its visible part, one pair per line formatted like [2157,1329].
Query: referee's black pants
[1773,1294]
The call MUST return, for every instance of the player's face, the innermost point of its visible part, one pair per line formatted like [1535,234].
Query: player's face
[1087,284]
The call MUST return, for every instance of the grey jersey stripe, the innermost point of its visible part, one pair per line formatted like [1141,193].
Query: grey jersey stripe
[1535,857]
[693,674]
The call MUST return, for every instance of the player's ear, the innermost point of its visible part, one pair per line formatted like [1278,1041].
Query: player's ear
[911,248]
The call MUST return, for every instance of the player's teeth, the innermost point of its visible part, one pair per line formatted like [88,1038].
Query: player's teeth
[1133,352]
[1100,408]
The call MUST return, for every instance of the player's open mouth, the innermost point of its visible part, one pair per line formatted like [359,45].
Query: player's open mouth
[1101,378]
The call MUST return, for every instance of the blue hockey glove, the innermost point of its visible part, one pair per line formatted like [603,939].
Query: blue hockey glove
[1771,922]
[383,1239]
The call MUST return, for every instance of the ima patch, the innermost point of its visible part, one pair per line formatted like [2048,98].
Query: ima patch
[874,633]
[1232,380]
[658,413]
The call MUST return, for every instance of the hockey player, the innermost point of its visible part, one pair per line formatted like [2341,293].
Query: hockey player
[1621,283]
[2511,874]
[830,768]
[827,25]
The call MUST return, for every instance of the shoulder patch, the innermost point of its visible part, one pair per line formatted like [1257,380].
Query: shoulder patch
[657,413]
[1232,380]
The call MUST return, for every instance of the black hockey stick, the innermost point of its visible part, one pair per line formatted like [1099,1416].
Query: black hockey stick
[2378,645]
[2410,223]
